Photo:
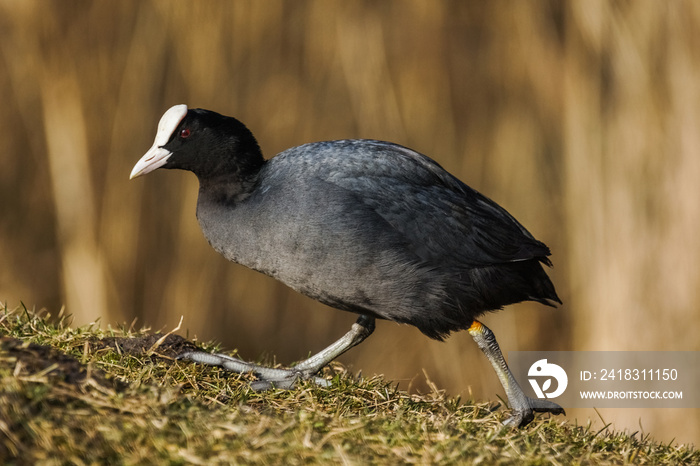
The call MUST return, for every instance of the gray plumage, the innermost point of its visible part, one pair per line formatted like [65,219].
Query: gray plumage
[375,228]
[364,226]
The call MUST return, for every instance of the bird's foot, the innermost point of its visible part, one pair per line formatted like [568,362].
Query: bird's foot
[267,377]
[524,414]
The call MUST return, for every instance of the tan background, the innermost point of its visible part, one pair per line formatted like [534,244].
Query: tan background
[581,118]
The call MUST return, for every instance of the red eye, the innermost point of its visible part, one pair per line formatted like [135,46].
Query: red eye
[184,133]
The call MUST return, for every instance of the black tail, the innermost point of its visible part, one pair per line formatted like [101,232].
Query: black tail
[485,289]
[542,286]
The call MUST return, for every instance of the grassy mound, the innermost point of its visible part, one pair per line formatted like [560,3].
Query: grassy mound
[118,396]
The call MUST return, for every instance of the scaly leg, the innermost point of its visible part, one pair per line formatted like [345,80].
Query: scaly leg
[522,405]
[286,378]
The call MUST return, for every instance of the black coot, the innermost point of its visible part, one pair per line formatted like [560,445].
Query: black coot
[364,226]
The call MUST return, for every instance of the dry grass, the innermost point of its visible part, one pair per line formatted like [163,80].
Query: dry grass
[73,396]
[580,117]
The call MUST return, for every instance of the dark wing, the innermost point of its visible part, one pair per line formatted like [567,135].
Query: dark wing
[443,219]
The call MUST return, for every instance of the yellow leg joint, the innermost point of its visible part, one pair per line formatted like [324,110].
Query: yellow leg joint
[476,328]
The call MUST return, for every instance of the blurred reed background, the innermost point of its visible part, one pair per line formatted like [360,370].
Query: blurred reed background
[581,118]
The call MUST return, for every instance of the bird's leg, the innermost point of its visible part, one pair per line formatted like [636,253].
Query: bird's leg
[522,405]
[286,378]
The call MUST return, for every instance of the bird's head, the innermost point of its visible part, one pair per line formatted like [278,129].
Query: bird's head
[203,142]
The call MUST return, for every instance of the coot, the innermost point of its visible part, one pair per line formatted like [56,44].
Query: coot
[363,226]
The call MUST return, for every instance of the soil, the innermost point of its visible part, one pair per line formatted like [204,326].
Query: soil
[31,358]
[169,348]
